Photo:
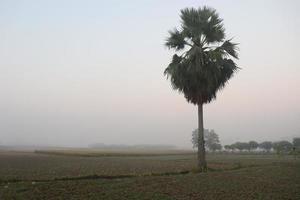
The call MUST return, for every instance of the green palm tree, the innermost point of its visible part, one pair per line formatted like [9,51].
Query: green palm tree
[202,63]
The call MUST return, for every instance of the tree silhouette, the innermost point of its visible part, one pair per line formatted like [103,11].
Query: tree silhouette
[296,143]
[211,139]
[253,145]
[267,146]
[282,146]
[202,64]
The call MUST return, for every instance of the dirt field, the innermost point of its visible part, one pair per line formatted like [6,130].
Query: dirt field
[28,175]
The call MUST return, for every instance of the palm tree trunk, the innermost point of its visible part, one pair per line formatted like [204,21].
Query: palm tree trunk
[201,148]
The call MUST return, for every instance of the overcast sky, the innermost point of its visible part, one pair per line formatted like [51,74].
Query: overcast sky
[74,73]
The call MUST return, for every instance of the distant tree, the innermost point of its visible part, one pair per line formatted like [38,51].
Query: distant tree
[246,146]
[282,146]
[253,145]
[296,143]
[195,137]
[238,146]
[228,148]
[241,146]
[211,139]
[205,64]
[267,146]
[215,146]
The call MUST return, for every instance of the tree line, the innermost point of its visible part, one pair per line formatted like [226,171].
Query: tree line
[212,143]
[282,146]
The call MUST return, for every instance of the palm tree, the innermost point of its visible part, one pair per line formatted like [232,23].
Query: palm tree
[204,64]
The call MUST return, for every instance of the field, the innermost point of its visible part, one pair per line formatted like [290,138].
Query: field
[168,175]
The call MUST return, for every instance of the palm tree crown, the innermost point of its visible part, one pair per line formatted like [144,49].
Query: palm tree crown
[205,63]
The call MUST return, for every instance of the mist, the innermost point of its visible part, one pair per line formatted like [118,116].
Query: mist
[78,73]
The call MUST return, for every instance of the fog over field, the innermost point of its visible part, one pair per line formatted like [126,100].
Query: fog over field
[80,73]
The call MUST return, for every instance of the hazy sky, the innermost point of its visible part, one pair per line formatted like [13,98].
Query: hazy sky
[80,72]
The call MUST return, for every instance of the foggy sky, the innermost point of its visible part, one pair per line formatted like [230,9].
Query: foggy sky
[80,72]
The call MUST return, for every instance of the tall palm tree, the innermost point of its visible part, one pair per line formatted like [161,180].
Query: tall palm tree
[202,63]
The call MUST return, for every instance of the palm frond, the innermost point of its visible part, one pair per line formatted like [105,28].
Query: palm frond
[175,40]
[202,70]
[230,48]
